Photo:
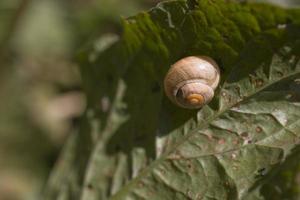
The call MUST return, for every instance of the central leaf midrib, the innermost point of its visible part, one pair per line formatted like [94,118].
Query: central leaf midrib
[194,131]
[243,146]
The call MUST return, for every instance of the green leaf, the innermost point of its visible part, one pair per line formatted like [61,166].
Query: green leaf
[285,184]
[135,144]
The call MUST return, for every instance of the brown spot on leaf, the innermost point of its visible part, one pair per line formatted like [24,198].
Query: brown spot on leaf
[210,137]
[238,90]
[244,134]
[231,131]
[259,83]
[280,74]
[221,141]
[235,141]
[175,156]
[258,129]
[237,106]
[90,186]
[162,171]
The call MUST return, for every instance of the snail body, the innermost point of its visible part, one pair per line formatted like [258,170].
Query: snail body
[191,81]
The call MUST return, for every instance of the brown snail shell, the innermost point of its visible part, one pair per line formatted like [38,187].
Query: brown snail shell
[191,81]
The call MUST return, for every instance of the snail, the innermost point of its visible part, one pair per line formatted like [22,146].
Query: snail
[191,81]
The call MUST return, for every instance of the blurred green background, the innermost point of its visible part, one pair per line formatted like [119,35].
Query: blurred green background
[40,84]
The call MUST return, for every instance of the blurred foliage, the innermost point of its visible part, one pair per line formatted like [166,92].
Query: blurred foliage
[285,185]
[40,85]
